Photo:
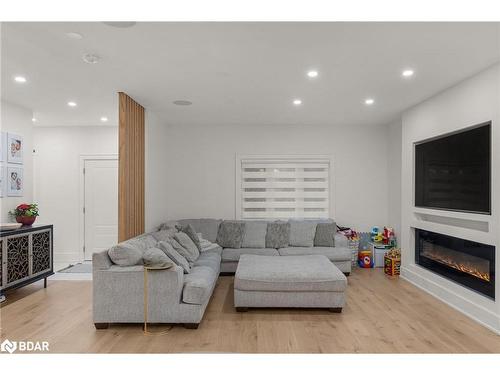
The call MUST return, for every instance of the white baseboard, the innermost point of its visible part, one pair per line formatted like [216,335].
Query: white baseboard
[419,277]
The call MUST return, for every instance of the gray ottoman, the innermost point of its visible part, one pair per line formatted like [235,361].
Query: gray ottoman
[288,281]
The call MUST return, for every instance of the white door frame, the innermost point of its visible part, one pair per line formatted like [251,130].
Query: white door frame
[83,158]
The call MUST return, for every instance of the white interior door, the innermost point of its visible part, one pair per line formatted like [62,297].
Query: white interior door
[100,205]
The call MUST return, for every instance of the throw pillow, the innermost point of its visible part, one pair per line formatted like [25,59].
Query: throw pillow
[325,234]
[255,234]
[302,233]
[189,230]
[163,235]
[156,258]
[189,251]
[126,254]
[231,234]
[169,225]
[209,227]
[143,242]
[177,258]
[278,234]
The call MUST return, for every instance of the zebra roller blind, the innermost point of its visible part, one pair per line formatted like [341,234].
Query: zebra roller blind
[281,189]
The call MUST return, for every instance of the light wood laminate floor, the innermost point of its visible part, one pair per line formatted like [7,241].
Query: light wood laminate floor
[381,316]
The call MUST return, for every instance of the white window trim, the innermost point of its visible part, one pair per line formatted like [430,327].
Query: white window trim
[284,158]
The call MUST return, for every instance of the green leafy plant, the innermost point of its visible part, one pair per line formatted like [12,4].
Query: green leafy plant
[25,209]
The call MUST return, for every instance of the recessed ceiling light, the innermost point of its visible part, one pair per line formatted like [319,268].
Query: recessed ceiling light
[91,58]
[407,73]
[120,25]
[20,79]
[297,102]
[182,102]
[312,73]
[104,119]
[33,119]
[72,104]
[369,101]
[73,35]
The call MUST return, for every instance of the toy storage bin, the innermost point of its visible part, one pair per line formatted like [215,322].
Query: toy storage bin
[354,246]
[392,265]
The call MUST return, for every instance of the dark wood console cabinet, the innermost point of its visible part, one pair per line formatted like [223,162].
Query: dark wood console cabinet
[26,256]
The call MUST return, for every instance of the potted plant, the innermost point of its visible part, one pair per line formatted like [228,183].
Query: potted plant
[25,213]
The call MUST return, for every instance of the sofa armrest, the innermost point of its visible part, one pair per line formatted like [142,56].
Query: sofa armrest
[101,261]
[118,294]
[341,240]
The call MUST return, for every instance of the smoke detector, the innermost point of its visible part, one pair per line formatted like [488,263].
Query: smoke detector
[91,58]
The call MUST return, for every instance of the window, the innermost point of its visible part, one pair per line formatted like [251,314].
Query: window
[283,187]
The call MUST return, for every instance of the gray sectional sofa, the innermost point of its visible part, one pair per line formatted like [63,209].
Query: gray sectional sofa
[181,293]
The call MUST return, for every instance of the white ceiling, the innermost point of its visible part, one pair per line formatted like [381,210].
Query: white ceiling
[239,73]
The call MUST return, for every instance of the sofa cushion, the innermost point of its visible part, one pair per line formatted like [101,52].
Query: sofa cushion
[208,227]
[209,259]
[325,234]
[125,254]
[214,248]
[191,232]
[189,251]
[302,233]
[335,254]
[282,274]
[231,233]
[156,258]
[278,234]
[198,285]
[174,255]
[233,255]
[255,234]
[341,240]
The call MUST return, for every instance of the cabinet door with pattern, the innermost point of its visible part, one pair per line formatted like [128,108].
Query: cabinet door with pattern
[41,252]
[17,258]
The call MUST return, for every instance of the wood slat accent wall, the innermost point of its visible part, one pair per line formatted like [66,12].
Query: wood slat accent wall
[130,168]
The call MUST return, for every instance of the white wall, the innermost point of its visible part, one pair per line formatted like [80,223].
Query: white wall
[17,120]
[473,101]
[394,175]
[191,169]
[57,179]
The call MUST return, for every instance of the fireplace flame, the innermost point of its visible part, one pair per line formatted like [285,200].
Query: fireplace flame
[464,267]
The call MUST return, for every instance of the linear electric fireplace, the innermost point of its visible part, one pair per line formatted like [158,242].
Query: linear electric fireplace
[471,264]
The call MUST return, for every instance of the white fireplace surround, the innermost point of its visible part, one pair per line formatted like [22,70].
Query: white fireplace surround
[471,102]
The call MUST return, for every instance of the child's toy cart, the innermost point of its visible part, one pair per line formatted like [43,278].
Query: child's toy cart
[392,263]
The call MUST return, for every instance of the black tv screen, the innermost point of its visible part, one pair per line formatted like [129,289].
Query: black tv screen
[453,172]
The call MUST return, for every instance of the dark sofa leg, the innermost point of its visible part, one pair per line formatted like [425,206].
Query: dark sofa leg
[347,273]
[101,325]
[242,309]
[335,309]
[191,325]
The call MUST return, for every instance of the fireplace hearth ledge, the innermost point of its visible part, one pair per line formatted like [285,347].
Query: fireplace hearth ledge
[441,288]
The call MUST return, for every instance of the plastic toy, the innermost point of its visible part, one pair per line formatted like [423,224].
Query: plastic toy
[365,259]
[375,232]
[387,235]
[379,237]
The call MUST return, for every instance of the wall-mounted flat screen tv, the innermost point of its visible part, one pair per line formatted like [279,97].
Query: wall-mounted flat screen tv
[453,172]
